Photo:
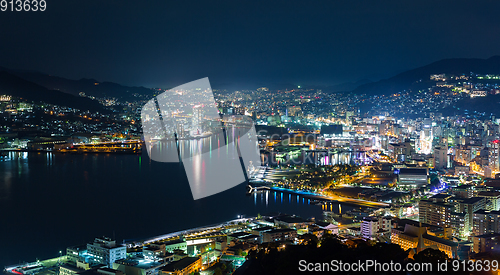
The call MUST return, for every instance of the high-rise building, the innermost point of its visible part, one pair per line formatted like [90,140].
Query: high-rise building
[462,155]
[440,157]
[196,122]
[492,199]
[487,243]
[463,191]
[443,214]
[494,152]
[425,142]
[469,207]
[485,222]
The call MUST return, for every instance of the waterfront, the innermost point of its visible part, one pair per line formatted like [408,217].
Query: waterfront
[51,201]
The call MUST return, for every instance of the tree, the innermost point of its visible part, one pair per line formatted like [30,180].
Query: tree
[218,271]
[310,239]
[223,267]
[430,255]
[230,267]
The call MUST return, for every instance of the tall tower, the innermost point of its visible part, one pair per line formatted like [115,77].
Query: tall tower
[197,120]
[425,141]
[494,152]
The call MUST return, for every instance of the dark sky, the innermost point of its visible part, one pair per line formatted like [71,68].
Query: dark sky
[164,43]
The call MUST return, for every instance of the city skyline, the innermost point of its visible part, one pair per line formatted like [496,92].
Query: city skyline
[332,136]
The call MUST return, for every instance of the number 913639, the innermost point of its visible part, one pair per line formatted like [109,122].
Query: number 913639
[23,5]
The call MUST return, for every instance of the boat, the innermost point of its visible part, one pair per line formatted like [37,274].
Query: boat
[107,148]
[199,135]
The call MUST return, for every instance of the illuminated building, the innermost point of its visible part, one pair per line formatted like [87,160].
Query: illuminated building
[440,157]
[485,222]
[292,222]
[463,191]
[156,252]
[469,207]
[400,151]
[477,93]
[5,98]
[375,227]
[442,214]
[493,158]
[69,270]
[413,177]
[138,266]
[196,120]
[492,200]
[487,243]
[277,235]
[185,266]
[410,235]
[171,246]
[462,171]
[425,142]
[438,77]
[105,251]
[76,253]
[293,111]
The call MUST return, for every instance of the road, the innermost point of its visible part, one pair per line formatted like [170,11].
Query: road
[334,198]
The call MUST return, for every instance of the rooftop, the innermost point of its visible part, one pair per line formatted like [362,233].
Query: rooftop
[441,196]
[281,230]
[486,212]
[291,219]
[440,240]
[239,234]
[464,186]
[489,235]
[173,242]
[265,228]
[413,171]
[180,264]
[488,194]
[471,200]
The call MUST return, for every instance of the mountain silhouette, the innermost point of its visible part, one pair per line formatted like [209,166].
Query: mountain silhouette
[420,77]
[15,86]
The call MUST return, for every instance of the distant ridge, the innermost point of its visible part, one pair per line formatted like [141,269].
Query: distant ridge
[89,86]
[13,85]
[419,78]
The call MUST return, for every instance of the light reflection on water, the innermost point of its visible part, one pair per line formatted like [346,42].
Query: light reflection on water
[315,157]
[59,200]
[295,200]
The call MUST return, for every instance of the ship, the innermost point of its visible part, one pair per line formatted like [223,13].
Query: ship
[133,147]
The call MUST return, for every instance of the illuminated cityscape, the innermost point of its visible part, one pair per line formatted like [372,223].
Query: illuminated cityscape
[332,137]
[418,182]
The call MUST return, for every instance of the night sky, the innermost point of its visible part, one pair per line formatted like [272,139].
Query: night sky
[166,43]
